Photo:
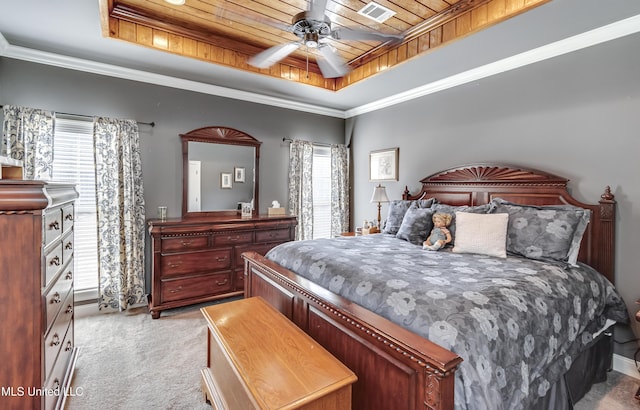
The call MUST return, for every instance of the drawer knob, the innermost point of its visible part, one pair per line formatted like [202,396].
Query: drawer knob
[56,298]
[69,346]
[222,282]
[55,261]
[68,217]
[176,290]
[185,243]
[175,265]
[233,238]
[221,259]
[69,275]
[69,245]
[55,225]
[69,309]
[55,340]
[56,384]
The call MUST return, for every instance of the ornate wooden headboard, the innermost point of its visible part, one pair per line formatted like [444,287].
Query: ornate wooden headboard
[478,184]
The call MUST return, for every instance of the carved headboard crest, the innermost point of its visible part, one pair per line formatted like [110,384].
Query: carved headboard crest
[486,174]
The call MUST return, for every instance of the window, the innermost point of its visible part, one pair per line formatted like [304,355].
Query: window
[321,177]
[74,162]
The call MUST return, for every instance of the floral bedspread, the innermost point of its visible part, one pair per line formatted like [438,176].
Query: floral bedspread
[517,323]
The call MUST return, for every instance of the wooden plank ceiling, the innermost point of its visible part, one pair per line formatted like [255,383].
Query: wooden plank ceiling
[229,32]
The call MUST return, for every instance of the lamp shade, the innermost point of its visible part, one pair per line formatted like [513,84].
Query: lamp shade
[379,194]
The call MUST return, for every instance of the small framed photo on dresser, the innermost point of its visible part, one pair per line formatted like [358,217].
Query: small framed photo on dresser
[225,180]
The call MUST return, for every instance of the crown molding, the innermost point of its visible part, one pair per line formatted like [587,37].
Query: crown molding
[89,66]
[599,35]
[596,36]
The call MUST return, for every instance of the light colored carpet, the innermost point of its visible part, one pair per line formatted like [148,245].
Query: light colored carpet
[130,361]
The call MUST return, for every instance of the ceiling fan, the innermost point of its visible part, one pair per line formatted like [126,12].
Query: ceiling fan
[315,32]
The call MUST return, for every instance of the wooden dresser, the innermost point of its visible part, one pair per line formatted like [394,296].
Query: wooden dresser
[198,259]
[258,359]
[37,352]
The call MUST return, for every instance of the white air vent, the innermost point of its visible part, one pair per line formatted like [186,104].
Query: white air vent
[376,12]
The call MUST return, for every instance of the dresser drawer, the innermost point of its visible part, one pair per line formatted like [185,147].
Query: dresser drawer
[194,287]
[56,377]
[194,262]
[55,298]
[67,218]
[272,235]
[227,239]
[53,262]
[52,225]
[67,247]
[187,243]
[55,339]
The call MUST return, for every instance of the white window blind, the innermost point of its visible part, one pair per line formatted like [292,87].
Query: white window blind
[74,162]
[321,177]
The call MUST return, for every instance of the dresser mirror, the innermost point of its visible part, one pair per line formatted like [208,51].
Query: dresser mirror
[219,172]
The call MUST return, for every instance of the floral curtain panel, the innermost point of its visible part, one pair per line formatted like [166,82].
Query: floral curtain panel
[300,187]
[339,189]
[121,215]
[28,136]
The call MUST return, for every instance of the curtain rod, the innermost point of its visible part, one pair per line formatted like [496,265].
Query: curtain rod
[151,124]
[324,144]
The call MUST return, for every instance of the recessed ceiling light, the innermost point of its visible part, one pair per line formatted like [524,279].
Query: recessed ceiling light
[175,2]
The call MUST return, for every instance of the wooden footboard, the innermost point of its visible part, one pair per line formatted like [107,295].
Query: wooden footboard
[396,369]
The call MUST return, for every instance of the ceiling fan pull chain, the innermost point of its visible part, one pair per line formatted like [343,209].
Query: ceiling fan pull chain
[307,62]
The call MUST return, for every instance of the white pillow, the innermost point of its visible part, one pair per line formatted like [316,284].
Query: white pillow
[485,234]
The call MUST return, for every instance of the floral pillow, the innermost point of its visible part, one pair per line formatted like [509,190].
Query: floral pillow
[549,232]
[416,225]
[452,209]
[396,212]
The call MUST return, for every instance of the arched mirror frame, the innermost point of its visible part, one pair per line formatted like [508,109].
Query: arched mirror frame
[218,135]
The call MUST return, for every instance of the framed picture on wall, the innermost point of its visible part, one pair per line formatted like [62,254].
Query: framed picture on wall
[225,180]
[238,174]
[383,165]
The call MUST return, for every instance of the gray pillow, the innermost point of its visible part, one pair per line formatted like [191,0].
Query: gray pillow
[549,232]
[416,225]
[397,209]
[452,209]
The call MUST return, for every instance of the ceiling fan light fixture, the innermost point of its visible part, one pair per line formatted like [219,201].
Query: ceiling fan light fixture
[176,2]
[311,39]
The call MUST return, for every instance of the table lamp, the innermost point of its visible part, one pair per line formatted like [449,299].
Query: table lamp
[379,196]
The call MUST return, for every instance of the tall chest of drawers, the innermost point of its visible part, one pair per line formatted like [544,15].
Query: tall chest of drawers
[197,260]
[37,348]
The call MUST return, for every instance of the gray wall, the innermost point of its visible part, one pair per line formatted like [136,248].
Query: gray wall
[173,111]
[577,116]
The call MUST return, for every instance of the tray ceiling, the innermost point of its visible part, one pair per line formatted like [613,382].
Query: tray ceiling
[229,32]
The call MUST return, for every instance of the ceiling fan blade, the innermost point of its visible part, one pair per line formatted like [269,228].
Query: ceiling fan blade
[330,63]
[344,33]
[270,56]
[317,10]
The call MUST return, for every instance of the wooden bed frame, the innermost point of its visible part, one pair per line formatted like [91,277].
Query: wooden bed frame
[398,369]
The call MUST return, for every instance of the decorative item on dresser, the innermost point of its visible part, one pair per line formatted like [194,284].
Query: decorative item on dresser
[37,349]
[198,260]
